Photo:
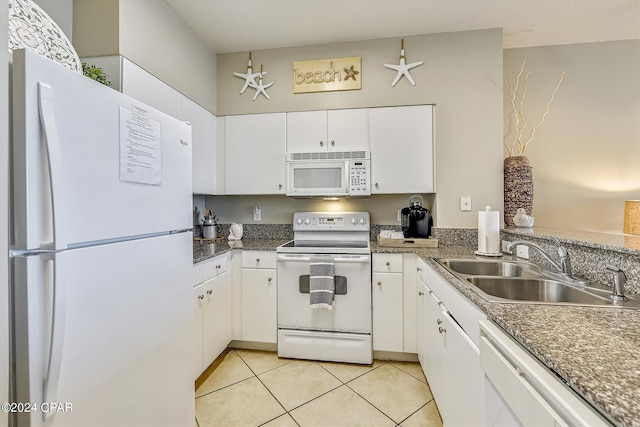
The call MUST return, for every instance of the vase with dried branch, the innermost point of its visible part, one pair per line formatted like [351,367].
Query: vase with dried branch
[518,176]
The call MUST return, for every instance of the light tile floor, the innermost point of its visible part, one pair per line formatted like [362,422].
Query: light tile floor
[257,388]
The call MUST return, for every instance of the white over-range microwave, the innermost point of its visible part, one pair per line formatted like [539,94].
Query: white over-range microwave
[329,174]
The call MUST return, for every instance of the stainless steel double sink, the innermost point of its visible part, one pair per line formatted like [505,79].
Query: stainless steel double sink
[525,282]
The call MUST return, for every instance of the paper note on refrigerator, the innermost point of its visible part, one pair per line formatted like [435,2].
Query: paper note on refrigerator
[140,147]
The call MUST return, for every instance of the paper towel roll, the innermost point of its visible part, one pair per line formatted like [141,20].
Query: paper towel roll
[489,231]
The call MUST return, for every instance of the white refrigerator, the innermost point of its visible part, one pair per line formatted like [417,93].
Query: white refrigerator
[102,255]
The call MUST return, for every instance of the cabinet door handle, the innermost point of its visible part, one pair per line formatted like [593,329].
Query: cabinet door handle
[379,283]
[269,279]
[257,259]
[279,186]
[420,293]
[200,296]
[333,143]
[321,144]
[218,267]
[209,292]
[377,186]
[388,263]
[418,269]
[442,330]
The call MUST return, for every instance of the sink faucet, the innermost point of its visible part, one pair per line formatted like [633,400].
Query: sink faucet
[619,280]
[564,264]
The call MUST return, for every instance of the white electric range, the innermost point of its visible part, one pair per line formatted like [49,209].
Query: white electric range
[342,334]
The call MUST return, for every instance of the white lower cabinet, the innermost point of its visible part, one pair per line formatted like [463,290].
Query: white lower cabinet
[212,301]
[394,303]
[387,296]
[259,297]
[448,355]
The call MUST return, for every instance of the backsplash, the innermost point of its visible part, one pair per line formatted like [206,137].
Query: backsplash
[590,253]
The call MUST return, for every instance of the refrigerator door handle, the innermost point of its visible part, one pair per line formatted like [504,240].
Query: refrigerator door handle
[56,167]
[58,318]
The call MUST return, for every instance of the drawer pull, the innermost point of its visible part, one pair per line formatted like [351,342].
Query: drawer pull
[420,293]
[201,296]
[379,283]
[388,263]
[442,330]
[257,259]
[269,279]
[209,292]
[439,322]
[218,266]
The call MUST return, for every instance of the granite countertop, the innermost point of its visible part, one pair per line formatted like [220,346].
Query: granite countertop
[595,350]
[205,249]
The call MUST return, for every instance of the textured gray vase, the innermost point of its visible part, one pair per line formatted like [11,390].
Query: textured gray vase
[518,187]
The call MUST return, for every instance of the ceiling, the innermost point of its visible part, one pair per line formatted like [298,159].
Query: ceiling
[241,25]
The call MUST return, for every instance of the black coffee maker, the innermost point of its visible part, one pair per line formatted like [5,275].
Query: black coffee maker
[416,219]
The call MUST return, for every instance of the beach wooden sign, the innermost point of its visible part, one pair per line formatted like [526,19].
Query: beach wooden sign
[326,75]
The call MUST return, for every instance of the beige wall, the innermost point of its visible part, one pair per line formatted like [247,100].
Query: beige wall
[462,76]
[96,27]
[152,35]
[586,155]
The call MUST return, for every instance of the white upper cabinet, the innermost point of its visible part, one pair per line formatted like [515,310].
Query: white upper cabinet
[333,130]
[402,150]
[255,153]
[203,137]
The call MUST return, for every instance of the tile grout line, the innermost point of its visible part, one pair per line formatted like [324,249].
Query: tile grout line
[366,400]
[382,412]
[267,388]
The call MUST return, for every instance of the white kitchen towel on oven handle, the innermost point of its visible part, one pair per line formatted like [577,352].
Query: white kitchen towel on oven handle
[321,282]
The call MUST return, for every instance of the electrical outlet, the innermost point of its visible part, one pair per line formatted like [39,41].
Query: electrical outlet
[465,203]
[399,216]
[257,214]
[505,246]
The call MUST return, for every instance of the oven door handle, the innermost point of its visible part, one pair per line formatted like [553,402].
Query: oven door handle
[343,259]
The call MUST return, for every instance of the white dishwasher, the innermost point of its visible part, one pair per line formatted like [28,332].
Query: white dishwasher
[521,391]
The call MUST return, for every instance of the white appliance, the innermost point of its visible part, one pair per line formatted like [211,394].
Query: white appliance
[342,334]
[520,391]
[329,174]
[102,249]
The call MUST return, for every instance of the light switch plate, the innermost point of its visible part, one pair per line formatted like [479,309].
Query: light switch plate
[257,214]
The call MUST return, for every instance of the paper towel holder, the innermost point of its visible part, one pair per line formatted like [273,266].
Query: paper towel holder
[488,232]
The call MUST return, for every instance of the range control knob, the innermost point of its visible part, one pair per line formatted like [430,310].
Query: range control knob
[354,221]
[299,221]
[362,221]
[307,221]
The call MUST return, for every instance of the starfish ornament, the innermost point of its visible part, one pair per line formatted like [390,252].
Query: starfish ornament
[259,87]
[350,73]
[249,77]
[403,68]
